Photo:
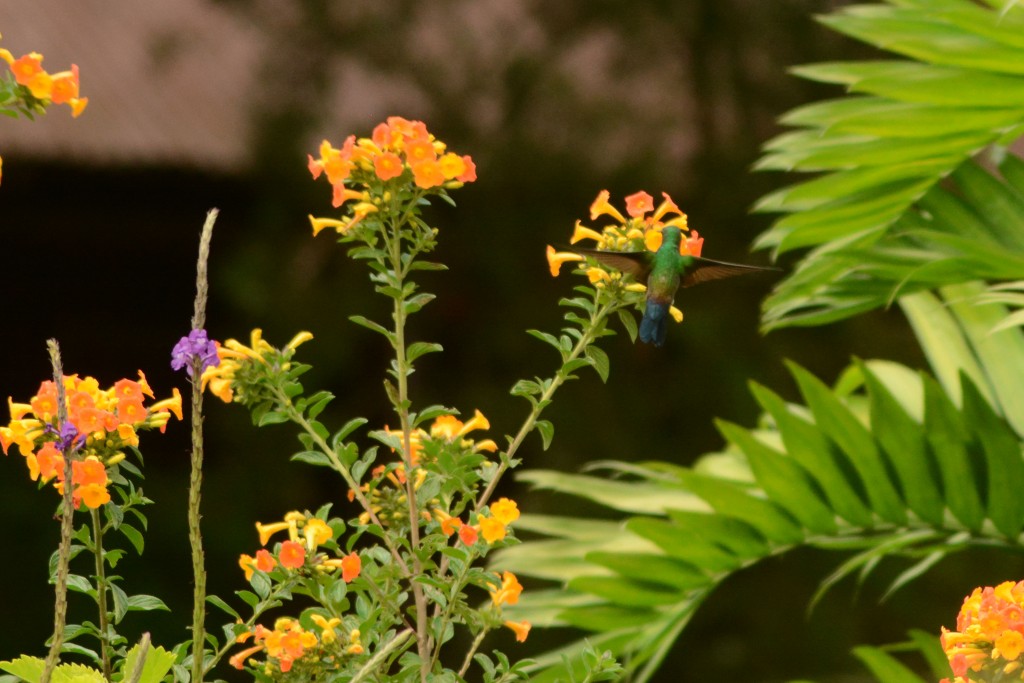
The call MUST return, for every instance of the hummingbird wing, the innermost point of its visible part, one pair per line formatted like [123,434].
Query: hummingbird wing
[635,263]
[705,270]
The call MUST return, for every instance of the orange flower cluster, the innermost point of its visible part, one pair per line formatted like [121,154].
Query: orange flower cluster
[58,88]
[399,150]
[492,524]
[638,232]
[988,643]
[288,644]
[305,535]
[101,424]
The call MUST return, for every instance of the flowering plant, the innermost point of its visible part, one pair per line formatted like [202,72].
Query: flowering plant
[28,89]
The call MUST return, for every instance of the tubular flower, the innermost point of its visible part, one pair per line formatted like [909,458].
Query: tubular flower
[58,88]
[557,258]
[520,628]
[508,593]
[988,642]
[316,532]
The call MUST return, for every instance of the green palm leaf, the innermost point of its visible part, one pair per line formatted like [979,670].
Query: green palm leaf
[924,475]
[877,220]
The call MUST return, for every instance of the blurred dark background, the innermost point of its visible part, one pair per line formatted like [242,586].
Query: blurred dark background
[215,103]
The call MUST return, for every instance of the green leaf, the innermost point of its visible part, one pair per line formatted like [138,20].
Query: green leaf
[547,432]
[625,592]
[134,536]
[607,617]
[686,546]
[782,479]
[836,421]
[729,500]
[599,359]
[651,568]
[138,603]
[903,440]
[636,497]
[1002,452]
[158,662]
[370,325]
[223,606]
[947,438]
[807,446]
[421,348]
[885,667]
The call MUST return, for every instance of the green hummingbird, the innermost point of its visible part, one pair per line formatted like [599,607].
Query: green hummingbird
[665,271]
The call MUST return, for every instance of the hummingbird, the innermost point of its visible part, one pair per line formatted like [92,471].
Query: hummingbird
[665,271]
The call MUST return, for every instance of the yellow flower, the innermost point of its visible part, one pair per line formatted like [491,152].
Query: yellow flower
[491,529]
[581,232]
[557,258]
[316,532]
[504,510]
[601,207]
[1010,644]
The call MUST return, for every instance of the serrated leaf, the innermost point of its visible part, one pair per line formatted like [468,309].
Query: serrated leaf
[158,662]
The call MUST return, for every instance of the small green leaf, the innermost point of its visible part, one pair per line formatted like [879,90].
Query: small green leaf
[225,607]
[547,432]
[137,603]
[421,348]
[599,359]
[158,662]
[370,325]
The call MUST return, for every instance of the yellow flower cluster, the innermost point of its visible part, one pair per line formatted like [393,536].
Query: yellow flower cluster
[988,642]
[234,356]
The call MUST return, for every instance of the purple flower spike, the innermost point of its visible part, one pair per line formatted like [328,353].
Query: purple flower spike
[67,437]
[195,345]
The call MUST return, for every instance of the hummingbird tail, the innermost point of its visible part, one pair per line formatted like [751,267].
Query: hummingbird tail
[652,326]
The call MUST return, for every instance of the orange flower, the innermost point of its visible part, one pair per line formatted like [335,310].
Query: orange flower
[264,560]
[387,166]
[420,151]
[520,628]
[468,535]
[27,66]
[65,86]
[238,660]
[469,175]
[509,592]
[639,203]
[427,174]
[351,565]
[50,461]
[131,411]
[128,388]
[292,555]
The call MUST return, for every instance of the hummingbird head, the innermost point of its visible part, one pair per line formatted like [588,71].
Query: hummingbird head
[671,236]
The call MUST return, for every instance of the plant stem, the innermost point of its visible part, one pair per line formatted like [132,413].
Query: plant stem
[60,609]
[531,420]
[101,589]
[402,408]
[368,668]
[472,651]
[325,448]
[195,535]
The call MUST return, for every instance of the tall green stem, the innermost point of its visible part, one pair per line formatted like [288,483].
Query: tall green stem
[584,341]
[101,590]
[402,408]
